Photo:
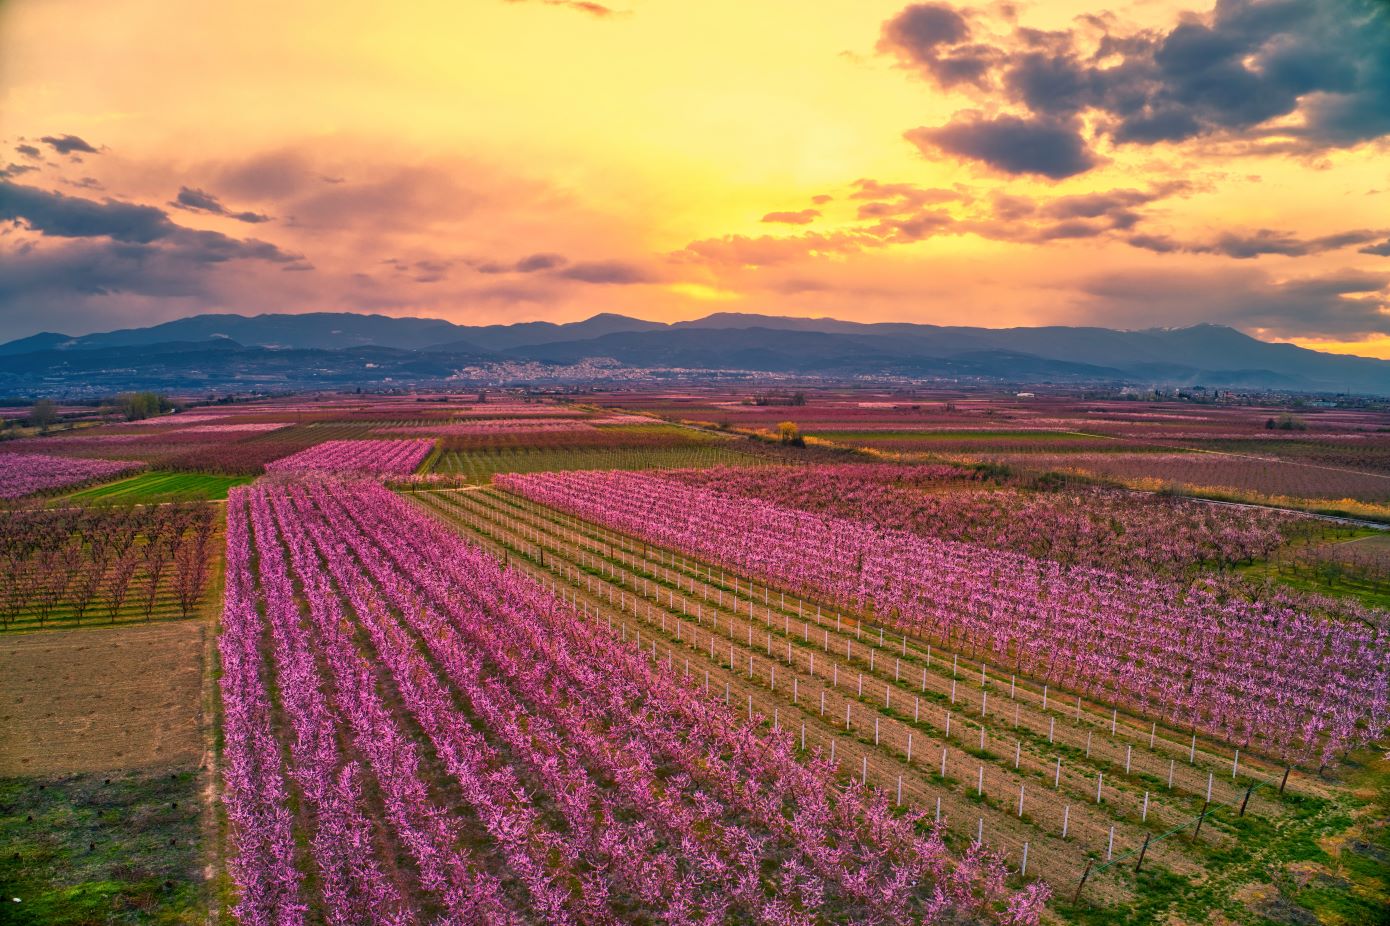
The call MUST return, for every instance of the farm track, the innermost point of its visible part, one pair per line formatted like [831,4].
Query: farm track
[628,582]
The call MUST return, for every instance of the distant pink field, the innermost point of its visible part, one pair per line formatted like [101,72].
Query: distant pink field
[368,457]
[25,473]
[489,426]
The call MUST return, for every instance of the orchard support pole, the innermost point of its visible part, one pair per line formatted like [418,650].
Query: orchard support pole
[1076,898]
[1200,818]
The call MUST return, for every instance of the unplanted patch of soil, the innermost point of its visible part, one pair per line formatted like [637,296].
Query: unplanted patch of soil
[101,699]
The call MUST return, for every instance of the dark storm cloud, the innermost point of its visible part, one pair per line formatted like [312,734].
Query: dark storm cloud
[67,144]
[73,217]
[1268,241]
[1261,242]
[800,217]
[1338,305]
[54,215]
[605,271]
[935,38]
[540,262]
[533,263]
[86,268]
[559,267]
[1379,250]
[1235,73]
[195,200]
[215,247]
[1159,244]
[1048,147]
[88,284]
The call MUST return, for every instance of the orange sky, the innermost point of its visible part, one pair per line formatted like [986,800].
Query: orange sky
[490,161]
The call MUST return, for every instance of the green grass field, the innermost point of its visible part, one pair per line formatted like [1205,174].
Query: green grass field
[663,430]
[158,487]
[110,849]
[1316,563]
[479,465]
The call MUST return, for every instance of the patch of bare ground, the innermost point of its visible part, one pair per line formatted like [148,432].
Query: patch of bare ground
[102,699]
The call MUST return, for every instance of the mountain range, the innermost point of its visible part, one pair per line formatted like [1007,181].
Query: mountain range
[337,348]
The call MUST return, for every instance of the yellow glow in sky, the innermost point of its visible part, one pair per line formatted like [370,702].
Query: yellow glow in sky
[414,158]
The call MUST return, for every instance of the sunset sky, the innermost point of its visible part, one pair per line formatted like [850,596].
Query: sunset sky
[1147,163]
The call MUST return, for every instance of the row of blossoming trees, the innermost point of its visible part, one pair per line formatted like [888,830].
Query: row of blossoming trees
[523,764]
[69,565]
[1294,678]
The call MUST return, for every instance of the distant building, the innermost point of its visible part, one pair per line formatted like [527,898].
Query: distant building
[1024,395]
